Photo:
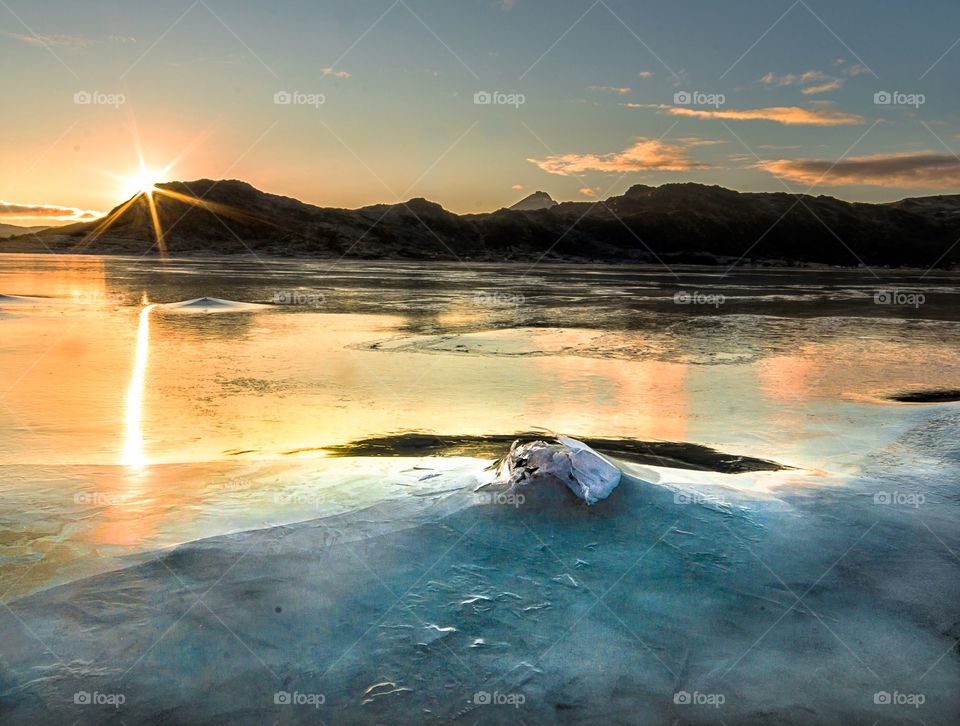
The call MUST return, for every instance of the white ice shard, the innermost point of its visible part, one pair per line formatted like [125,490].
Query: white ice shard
[11,300]
[587,474]
[210,305]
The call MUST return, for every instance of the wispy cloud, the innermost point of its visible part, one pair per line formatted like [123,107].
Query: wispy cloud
[588,192]
[13,210]
[335,73]
[517,187]
[813,82]
[834,84]
[793,79]
[619,90]
[645,74]
[787,115]
[66,42]
[924,170]
[643,155]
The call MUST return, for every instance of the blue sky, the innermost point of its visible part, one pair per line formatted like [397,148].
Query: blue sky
[783,96]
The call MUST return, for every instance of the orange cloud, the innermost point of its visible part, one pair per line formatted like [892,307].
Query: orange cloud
[832,85]
[925,170]
[644,155]
[787,115]
[12,210]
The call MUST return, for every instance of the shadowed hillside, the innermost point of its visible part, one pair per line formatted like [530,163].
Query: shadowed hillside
[682,223]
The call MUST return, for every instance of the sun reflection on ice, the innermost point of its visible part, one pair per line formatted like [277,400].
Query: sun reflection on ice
[133,454]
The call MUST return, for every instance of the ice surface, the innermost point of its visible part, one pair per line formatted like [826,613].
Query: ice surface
[798,595]
[796,614]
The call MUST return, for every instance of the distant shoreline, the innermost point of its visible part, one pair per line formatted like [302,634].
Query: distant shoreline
[753,265]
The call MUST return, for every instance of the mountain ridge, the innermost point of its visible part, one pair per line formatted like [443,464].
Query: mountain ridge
[681,222]
[537,200]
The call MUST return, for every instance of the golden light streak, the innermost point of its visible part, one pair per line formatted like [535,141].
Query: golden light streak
[212,207]
[133,454]
[155,221]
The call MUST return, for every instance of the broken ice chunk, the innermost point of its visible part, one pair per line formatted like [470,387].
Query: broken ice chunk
[585,472]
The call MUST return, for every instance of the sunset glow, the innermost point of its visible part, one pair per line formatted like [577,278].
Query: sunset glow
[141,182]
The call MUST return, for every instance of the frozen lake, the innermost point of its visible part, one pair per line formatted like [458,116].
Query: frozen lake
[204,510]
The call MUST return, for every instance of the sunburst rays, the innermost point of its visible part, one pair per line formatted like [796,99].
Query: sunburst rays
[142,188]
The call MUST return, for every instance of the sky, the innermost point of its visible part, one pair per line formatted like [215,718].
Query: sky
[473,103]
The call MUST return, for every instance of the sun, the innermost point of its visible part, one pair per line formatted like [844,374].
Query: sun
[141,182]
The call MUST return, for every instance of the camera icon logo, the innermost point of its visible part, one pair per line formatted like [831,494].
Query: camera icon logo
[883,297]
[682,98]
[83,98]
[882,498]
[882,698]
[882,98]
[283,98]
[682,297]
[483,98]
[682,698]
[481,698]
[282,698]
[82,698]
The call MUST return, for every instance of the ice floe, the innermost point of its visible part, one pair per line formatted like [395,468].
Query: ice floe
[585,472]
[210,305]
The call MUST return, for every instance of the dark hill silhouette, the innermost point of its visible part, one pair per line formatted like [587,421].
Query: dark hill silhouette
[685,223]
[537,200]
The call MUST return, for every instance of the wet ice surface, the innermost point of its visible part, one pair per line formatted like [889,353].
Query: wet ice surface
[237,562]
[795,613]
